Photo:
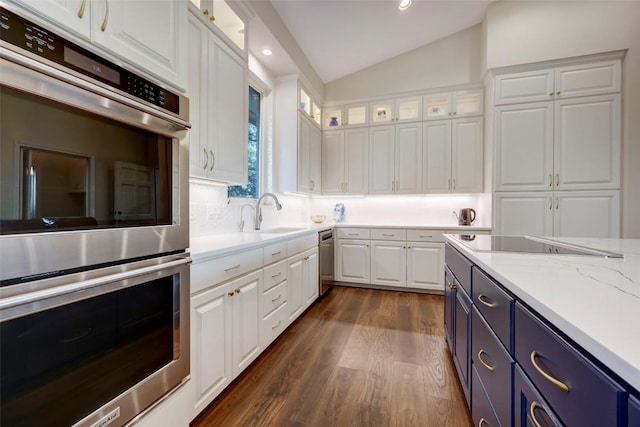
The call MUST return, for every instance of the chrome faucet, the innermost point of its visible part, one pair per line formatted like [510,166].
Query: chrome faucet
[258,219]
[241,225]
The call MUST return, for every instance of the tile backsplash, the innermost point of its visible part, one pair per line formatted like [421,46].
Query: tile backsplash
[212,212]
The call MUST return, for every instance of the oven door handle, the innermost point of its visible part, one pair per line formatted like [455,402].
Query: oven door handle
[85,285]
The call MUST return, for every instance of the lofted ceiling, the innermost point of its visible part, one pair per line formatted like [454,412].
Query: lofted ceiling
[340,37]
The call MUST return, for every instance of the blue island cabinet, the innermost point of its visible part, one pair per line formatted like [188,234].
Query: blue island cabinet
[634,412]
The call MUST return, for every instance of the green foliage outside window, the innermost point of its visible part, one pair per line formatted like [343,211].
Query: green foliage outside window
[252,188]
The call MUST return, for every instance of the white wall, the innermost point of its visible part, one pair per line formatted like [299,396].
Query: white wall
[532,31]
[453,60]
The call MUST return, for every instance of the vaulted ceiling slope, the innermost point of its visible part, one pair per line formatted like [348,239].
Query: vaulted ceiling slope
[340,37]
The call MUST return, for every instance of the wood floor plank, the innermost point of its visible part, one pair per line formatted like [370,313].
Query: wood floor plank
[358,357]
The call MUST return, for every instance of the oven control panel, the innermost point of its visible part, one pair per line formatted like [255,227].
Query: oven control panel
[44,43]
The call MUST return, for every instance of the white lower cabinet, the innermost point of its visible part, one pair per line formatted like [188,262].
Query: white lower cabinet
[226,333]
[302,282]
[558,213]
[353,261]
[388,263]
[424,265]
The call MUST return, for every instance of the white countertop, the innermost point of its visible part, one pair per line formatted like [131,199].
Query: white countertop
[593,300]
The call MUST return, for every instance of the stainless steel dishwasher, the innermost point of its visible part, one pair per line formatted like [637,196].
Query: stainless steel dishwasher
[325,241]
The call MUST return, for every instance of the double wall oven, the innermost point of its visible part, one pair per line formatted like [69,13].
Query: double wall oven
[94,277]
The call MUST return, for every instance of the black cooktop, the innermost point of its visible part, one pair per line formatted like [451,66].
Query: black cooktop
[526,244]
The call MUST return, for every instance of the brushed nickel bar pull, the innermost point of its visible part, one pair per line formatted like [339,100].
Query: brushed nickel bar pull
[206,161]
[277,324]
[550,180]
[276,298]
[235,267]
[105,21]
[213,160]
[276,253]
[388,235]
[557,179]
[557,202]
[482,299]
[426,237]
[81,10]
[535,405]
[273,276]
[485,364]
[562,386]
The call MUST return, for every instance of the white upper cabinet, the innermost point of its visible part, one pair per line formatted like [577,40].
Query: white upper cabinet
[563,82]
[453,104]
[225,20]
[150,34]
[345,161]
[453,156]
[345,116]
[218,92]
[395,159]
[72,15]
[391,111]
[309,156]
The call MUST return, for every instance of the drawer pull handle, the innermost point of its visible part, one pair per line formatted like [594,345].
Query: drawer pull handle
[551,379]
[485,364]
[427,237]
[452,286]
[277,324]
[388,235]
[483,299]
[483,422]
[276,253]
[273,276]
[535,405]
[231,293]
[235,267]
[353,234]
[276,298]
[237,291]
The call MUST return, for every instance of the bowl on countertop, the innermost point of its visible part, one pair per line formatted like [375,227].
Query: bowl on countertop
[318,219]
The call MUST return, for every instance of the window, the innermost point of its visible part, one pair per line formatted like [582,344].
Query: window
[252,189]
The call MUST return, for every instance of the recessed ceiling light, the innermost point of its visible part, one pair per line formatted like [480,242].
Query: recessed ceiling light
[267,52]
[404,4]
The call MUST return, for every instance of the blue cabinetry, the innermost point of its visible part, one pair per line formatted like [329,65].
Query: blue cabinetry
[515,368]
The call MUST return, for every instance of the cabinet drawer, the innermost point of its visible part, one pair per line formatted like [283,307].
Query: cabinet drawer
[493,365]
[495,304]
[209,273]
[529,407]
[273,298]
[274,274]
[353,233]
[481,409]
[388,234]
[301,244]
[274,324]
[579,392]
[459,266]
[425,235]
[274,253]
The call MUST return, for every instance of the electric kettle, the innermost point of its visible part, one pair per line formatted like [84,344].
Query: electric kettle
[466,216]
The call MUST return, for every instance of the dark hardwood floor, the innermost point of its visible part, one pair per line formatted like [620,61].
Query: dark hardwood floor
[358,357]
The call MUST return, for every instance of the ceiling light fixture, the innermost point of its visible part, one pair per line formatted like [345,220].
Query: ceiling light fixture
[404,4]
[267,52]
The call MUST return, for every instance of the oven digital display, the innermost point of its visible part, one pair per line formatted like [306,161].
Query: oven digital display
[91,66]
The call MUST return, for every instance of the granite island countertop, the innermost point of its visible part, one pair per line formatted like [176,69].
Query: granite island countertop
[594,300]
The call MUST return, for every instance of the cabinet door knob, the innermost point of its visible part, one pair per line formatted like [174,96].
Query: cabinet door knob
[562,386]
[230,293]
[206,11]
[558,93]
[237,291]
[212,18]
[551,94]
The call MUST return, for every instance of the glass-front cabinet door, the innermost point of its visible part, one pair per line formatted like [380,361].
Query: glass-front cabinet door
[446,105]
[226,21]
[397,110]
[332,118]
[467,102]
[382,112]
[345,116]
[356,115]
[437,106]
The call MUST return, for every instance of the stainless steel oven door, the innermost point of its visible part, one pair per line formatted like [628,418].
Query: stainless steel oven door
[103,233]
[92,346]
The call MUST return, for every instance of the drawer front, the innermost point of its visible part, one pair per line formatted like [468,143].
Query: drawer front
[529,408]
[425,235]
[274,324]
[481,409]
[210,273]
[274,298]
[459,266]
[388,234]
[590,397]
[274,253]
[274,274]
[495,304]
[353,233]
[301,244]
[493,365]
